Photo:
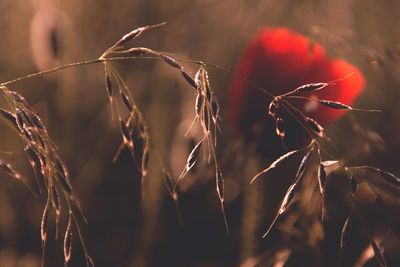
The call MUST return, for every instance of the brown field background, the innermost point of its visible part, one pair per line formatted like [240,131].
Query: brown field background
[125,230]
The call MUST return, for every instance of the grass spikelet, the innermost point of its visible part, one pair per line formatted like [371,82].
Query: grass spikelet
[315,127]
[44,222]
[274,164]
[68,241]
[378,251]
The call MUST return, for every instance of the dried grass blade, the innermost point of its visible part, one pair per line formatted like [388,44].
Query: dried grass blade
[303,165]
[321,178]
[280,128]
[108,84]
[145,160]
[89,261]
[311,87]
[17,97]
[127,102]
[287,200]
[315,126]
[6,167]
[290,193]
[198,78]
[219,180]
[339,105]
[168,182]
[334,104]
[190,162]
[274,164]
[172,62]
[273,108]
[389,177]
[9,169]
[19,114]
[214,108]
[193,156]
[68,241]
[44,222]
[353,184]
[126,135]
[8,116]
[378,251]
[344,236]
[345,231]
[189,79]
[36,121]
[135,33]
[55,200]
[199,104]
[174,195]
[63,176]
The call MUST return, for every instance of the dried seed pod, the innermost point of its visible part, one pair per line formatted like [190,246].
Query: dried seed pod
[135,33]
[37,122]
[41,141]
[145,160]
[378,251]
[33,158]
[6,167]
[172,62]
[9,117]
[55,199]
[168,182]
[89,261]
[214,107]
[108,83]
[20,119]
[193,156]
[274,164]
[189,79]
[273,108]
[17,97]
[127,102]
[288,198]
[125,133]
[303,165]
[219,180]
[199,104]
[335,105]
[389,177]
[353,184]
[206,120]
[198,78]
[280,128]
[345,231]
[321,178]
[64,176]
[44,222]
[68,241]
[315,126]
[311,87]
[137,51]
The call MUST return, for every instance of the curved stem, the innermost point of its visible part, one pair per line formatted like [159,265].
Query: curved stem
[70,65]
[40,73]
[104,59]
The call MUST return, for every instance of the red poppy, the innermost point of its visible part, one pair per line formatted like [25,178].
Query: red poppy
[279,60]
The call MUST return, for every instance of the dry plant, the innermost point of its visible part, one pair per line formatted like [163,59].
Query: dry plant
[53,180]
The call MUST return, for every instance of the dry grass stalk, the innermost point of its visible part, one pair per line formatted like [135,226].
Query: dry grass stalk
[52,174]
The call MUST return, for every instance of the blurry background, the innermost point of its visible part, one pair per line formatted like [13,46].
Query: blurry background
[124,230]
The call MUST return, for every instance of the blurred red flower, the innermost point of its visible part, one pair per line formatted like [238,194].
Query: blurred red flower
[279,60]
